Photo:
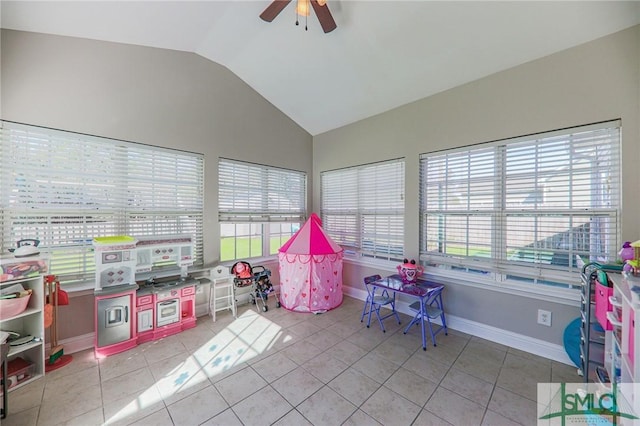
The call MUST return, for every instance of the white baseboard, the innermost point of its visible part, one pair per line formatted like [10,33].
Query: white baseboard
[515,340]
[75,344]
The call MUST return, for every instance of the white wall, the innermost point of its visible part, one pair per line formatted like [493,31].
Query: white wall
[153,96]
[176,99]
[593,82]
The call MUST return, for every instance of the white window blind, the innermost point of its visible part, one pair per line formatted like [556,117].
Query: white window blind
[256,193]
[66,188]
[363,208]
[524,209]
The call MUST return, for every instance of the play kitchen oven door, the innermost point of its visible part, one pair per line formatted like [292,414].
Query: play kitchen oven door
[114,321]
[167,307]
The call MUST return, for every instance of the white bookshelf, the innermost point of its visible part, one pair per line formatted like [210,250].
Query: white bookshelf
[29,322]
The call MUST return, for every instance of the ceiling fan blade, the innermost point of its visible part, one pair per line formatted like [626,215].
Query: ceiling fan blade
[274,9]
[324,16]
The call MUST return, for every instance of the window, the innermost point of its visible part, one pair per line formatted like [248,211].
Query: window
[363,208]
[66,188]
[526,209]
[259,208]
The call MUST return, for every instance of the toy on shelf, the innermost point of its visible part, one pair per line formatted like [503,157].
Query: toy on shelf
[409,271]
[630,254]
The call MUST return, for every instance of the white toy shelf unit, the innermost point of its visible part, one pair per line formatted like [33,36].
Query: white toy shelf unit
[622,337]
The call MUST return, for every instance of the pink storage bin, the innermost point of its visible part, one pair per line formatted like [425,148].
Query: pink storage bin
[12,307]
[603,305]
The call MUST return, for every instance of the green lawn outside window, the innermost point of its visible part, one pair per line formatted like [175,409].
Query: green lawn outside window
[240,248]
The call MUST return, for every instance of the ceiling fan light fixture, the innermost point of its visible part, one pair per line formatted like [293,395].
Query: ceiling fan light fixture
[320,7]
[302,7]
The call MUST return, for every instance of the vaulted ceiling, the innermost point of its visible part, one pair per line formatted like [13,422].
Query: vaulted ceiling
[382,55]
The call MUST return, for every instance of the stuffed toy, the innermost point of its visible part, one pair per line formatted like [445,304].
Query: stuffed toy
[409,271]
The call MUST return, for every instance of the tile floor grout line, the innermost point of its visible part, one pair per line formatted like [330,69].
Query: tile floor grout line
[373,344]
[445,374]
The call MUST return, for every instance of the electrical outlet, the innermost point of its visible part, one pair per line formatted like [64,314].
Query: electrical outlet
[544,317]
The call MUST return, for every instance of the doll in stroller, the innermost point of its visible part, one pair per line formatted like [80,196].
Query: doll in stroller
[258,277]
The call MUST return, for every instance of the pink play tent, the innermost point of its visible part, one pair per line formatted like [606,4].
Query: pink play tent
[310,270]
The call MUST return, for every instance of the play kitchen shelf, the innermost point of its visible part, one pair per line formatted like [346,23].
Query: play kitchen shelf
[26,353]
[203,288]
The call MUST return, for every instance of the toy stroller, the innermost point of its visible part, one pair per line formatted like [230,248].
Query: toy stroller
[258,278]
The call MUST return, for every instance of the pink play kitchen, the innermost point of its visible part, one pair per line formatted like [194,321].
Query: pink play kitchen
[143,291]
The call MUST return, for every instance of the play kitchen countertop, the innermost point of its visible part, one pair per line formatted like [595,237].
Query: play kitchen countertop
[165,284]
[115,289]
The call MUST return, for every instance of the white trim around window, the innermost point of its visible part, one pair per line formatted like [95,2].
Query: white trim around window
[524,211]
[259,208]
[363,208]
[64,188]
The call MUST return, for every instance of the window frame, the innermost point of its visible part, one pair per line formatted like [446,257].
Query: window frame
[499,269]
[77,187]
[366,203]
[281,196]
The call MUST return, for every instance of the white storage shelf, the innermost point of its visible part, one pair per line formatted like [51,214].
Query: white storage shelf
[626,338]
[29,322]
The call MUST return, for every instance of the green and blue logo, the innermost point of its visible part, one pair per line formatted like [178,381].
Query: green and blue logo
[584,404]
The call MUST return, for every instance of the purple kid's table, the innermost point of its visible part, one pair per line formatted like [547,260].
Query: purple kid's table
[420,290]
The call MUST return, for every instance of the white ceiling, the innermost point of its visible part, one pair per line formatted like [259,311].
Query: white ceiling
[382,55]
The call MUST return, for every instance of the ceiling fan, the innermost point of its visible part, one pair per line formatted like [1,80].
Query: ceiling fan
[302,8]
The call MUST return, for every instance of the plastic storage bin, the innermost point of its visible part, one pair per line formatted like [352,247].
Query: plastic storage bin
[13,269]
[19,370]
[603,305]
[12,307]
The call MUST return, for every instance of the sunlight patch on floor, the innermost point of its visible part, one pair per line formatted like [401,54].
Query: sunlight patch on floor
[246,337]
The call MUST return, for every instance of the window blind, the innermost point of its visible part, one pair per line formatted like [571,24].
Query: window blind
[525,208]
[363,208]
[254,193]
[66,188]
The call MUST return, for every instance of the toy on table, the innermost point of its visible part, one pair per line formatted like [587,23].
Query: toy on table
[409,271]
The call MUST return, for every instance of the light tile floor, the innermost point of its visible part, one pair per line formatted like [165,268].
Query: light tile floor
[287,368]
